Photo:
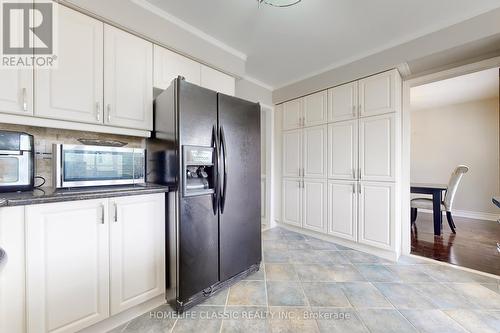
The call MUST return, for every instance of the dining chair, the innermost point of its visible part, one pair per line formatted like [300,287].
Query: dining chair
[449,197]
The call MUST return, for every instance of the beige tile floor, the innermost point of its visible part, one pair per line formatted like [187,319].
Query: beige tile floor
[308,285]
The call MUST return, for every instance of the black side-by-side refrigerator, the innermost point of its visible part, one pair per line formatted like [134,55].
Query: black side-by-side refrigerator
[207,145]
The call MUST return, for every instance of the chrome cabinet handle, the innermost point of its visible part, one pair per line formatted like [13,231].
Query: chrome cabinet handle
[98,111]
[109,112]
[353,173]
[353,188]
[102,213]
[25,102]
[354,110]
[359,188]
[116,211]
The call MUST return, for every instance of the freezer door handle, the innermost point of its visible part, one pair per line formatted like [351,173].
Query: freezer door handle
[215,145]
[224,165]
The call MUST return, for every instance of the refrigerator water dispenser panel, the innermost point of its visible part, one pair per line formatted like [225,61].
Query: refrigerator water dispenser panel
[198,170]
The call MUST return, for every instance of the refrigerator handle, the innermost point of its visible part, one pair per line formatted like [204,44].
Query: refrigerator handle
[215,145]
[224,165]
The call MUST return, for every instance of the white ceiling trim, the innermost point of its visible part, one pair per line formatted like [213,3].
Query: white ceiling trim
[257,82]
[188,27]
[429,29]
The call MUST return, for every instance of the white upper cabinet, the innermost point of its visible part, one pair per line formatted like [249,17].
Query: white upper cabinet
[377,94]
[343,209]
[377,154]
[315,109]
[16,85]
[16,91]
[292,114]
[315,152]
[168,65]
[67,260]
[292,202]
[314,205]
[218,81]
[292,153]
[343,150]
[137,243]
[343,102]
[377,214]
[74,89]
[128,80]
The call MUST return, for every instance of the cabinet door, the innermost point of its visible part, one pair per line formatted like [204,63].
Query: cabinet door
[314,205]
[16,91]
[343,102]
[377,94]
[128,80]
[343,209]
[315,153]
[12,275]
[292,153]
[292,202]
[376,214]
[168,65]
[292,114]
[137,243]
[74,90]
[315,109]
[343,150]
[377,148]
[67,260]
[16,85]
[217,81]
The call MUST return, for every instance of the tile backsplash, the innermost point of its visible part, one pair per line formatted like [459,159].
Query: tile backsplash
[45,137]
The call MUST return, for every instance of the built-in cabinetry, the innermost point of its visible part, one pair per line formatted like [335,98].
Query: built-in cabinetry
[102,80]
[168,65]
[305,162]
[356,151]
[84,261]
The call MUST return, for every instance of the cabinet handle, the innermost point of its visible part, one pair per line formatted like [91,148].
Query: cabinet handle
[116,211]
[25,102]
[353,173]
[354,110]
[109,112]
[359,188]
[98,111]
[102,213]
[353,188]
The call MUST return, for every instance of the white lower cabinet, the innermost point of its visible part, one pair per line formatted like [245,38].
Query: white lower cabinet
[292,202]
[137,243]
[377,214]
[91,259]
[12,276]
[314,204]
[343,209]
[67,254]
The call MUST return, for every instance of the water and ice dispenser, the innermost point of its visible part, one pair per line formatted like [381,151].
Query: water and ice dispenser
[198,170]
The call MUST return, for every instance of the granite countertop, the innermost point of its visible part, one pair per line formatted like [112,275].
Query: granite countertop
[46,195]
[496,201]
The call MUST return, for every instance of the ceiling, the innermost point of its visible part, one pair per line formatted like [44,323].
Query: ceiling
[285,45]
[461,89]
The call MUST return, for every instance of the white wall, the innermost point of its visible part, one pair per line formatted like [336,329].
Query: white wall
[253,92]
[447,136]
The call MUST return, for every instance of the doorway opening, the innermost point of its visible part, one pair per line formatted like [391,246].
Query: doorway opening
[454,166]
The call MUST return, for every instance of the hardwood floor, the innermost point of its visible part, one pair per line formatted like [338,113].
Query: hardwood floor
[473,246]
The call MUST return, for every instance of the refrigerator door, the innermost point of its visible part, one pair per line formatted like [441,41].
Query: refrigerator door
[198,236]
[239,179]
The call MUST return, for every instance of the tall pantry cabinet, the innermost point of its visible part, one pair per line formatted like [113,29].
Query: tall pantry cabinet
[340,153]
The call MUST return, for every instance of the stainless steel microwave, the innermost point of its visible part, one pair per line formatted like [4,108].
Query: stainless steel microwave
[81,165]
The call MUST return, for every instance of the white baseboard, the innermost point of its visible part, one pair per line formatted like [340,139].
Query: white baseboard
[469,214]
[125,316]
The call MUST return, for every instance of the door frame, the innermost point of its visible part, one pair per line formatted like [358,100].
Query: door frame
[409,83]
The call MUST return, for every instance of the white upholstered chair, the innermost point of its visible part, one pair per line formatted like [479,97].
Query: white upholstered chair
[449,197]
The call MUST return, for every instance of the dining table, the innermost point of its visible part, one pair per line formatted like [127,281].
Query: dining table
[436,190]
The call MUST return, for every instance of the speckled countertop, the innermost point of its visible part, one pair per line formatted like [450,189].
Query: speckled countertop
[46,195]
